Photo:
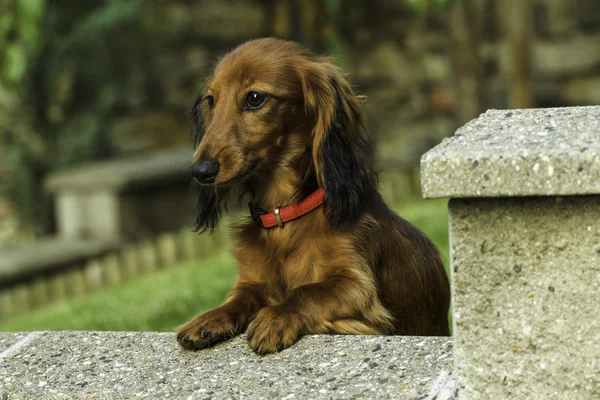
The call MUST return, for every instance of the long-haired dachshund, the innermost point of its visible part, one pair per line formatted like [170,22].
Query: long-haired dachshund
[322,253]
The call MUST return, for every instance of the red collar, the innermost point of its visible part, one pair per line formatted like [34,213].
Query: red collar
[279,216]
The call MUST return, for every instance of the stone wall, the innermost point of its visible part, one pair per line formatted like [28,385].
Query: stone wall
[398,59]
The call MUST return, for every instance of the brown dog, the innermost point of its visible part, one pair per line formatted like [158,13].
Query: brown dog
[285,126]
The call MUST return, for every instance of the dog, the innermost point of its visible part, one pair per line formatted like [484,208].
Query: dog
[322,253]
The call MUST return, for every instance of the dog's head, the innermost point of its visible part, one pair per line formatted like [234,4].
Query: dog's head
[260,94]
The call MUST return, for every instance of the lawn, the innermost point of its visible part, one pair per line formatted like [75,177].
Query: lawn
[156,302]
[165,299]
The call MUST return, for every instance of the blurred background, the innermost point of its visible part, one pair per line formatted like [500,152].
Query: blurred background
[95,201]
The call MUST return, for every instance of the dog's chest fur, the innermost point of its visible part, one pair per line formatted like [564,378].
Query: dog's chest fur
[295,255]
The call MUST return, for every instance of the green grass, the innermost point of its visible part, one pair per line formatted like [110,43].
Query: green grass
[157,302]
[165,299]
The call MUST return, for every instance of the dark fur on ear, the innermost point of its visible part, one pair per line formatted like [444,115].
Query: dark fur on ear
[347,170]
[341,150]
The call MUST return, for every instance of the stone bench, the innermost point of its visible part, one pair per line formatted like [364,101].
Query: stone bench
[131,198]
[524,251]
[109,365]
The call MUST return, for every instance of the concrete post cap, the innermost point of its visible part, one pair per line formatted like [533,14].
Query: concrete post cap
[511,153]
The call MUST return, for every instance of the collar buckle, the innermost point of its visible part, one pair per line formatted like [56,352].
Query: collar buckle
[278,217]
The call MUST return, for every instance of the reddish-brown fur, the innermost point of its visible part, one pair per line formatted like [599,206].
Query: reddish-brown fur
[349,267]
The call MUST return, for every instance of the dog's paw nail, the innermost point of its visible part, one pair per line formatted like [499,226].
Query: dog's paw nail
[214,337]
[205,333]
[200,344]
[264,351]
[182,337]
[280,346]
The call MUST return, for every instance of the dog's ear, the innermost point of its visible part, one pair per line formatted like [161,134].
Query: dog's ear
[341,149]
[209,200]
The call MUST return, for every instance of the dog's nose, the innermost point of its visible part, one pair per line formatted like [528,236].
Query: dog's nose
[205,170]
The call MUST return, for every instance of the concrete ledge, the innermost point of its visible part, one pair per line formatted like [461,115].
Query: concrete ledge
[537,152]
[107,365]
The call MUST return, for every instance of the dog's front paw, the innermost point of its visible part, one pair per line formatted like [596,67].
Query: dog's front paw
[207,329]
[273,330]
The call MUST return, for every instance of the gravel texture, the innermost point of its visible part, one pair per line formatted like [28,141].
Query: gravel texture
[8,339]
[108,365]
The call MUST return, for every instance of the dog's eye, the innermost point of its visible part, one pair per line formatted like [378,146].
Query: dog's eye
[255,100]
[210,100]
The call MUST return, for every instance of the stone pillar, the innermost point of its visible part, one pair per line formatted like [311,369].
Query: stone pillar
[89,214]
[524,219]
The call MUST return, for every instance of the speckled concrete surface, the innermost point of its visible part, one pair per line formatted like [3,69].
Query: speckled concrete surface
[8,339]
[554,151]
[109,365]
[526,286]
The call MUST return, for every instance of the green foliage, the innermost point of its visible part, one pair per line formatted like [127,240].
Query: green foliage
[20,33]
[82,138]
[335,43]
[20,150]
[59,61]
[29,16]
[15,63]
[424,7]
[24,167]
[102,22]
